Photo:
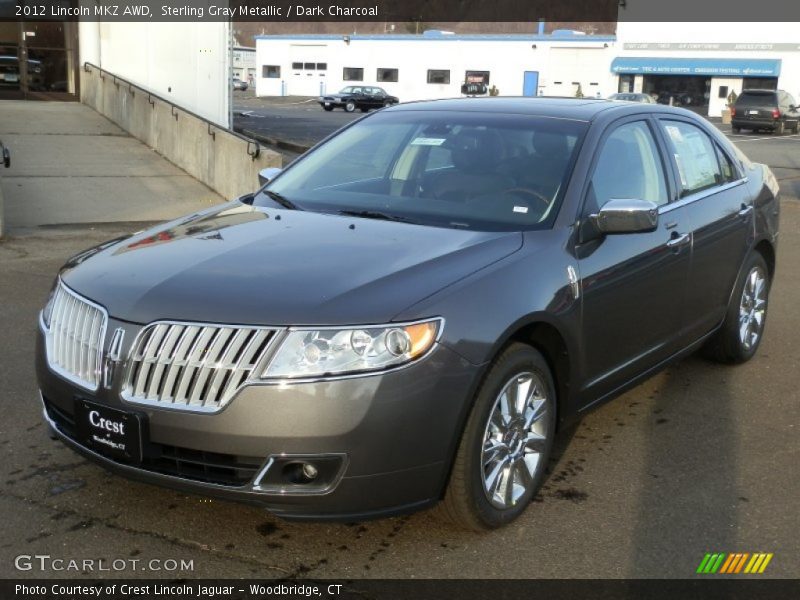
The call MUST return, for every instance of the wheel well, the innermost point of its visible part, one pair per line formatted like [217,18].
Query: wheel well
[765,249]
[547,340]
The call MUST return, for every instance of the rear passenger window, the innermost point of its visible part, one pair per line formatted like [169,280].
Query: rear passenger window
[628,167]
[695,156]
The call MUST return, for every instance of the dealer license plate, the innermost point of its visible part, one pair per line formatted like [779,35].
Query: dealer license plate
[108,431]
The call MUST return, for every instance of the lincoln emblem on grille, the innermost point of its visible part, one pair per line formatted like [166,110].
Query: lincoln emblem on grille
[112,357]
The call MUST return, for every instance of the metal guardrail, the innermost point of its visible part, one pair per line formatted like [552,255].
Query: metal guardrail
[176,109]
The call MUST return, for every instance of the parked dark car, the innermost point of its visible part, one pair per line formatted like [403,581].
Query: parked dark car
[411,310]
[773,110]
[363,97]
[632,97]
[238,84]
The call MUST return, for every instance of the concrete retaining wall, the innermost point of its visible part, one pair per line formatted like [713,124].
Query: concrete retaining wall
[212,155]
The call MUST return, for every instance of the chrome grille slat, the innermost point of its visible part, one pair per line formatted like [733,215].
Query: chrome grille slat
[74,337]
[193,366]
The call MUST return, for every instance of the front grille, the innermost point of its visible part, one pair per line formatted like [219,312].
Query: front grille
[186,463]
[193,366]
[75,337]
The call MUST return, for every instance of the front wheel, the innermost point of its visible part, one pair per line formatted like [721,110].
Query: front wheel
[350,106]
[501,460]
[741,333]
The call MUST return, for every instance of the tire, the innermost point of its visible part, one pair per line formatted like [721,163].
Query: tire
[350,106]
[328,108]
[734,343]
[484,448]
[779,128]
[736,129]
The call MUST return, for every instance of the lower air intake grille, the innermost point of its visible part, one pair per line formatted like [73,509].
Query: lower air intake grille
[193,366]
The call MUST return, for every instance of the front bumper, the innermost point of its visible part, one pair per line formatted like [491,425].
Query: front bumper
[395,433]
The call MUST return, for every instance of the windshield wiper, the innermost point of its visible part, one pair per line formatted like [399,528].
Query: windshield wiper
[374,214]
[282,200]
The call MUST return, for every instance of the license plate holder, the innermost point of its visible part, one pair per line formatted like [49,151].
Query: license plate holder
[114,433]
[752,112]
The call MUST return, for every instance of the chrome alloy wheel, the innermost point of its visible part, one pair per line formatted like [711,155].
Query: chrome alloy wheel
[752,308]
[514,439]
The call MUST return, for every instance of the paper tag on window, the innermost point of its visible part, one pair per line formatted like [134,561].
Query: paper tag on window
[521,209]
[422,141]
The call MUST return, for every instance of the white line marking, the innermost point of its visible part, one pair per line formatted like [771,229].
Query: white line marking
[792,138]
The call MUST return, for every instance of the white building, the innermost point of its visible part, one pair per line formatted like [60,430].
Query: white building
[705,62]
[243,63]
[187,63]
[696,65]
[435,64]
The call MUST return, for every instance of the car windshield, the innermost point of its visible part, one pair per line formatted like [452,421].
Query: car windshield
[350,90]
[472,170]
[757,99]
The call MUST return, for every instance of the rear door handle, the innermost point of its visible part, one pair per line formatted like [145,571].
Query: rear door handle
[679,239]
[745,210]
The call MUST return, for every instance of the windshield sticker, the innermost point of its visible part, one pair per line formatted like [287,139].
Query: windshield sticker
[521,209]
[426,141]
[674,133]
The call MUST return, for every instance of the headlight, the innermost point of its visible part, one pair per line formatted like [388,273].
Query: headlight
[47,311]
[324,352]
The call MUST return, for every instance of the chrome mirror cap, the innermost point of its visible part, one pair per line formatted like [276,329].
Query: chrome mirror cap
[268,174]
[626,216]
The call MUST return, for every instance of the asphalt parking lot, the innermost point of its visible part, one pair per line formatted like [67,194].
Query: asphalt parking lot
[700,458]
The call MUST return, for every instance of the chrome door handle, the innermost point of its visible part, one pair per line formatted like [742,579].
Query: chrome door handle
[679,240]
[746,210]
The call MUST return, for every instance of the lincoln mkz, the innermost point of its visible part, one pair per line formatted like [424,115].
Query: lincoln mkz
[410,312]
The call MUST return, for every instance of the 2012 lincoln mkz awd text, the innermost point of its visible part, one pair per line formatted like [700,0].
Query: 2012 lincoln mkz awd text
[410,311]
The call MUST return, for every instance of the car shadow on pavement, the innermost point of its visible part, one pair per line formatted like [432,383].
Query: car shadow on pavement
[689,495]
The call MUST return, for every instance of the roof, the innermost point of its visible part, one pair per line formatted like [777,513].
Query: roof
[584,109]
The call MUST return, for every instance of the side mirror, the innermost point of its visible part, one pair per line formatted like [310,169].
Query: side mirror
[267,175]
[626,216]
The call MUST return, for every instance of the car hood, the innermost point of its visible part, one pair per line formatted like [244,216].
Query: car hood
[253,265]
[337,96]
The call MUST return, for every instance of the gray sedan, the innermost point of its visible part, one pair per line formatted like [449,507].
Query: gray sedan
[411,311]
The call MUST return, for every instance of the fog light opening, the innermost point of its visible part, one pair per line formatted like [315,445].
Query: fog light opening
[300,473]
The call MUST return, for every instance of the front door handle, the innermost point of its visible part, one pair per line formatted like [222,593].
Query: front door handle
[745,211]
[679,239]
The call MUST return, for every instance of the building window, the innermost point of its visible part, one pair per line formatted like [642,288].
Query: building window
[388,75]
[271,71]
[322,66]
[438,76]
[352,74]
[310,66]
[475,77]
[297,66]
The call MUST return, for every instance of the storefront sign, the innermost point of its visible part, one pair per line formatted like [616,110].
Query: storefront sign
[729,67]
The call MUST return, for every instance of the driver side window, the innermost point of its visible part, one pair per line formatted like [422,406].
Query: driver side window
[629,167]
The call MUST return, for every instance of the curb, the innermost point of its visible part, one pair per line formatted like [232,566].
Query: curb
[278,143]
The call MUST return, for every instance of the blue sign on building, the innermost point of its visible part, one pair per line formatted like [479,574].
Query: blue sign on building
[715,67]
